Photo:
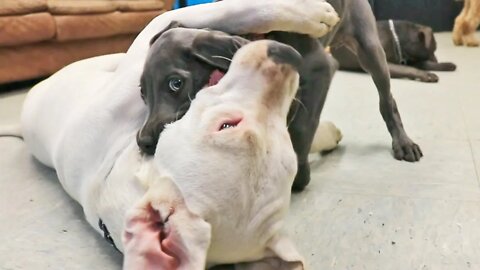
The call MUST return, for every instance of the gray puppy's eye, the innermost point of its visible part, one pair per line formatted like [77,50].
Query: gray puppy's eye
[175,84]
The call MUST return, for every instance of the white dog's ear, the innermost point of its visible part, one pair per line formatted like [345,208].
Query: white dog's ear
[171,25]
[282,255]
[217,48]
[162,233]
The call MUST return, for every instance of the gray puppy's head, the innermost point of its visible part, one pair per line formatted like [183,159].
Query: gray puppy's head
[180,63]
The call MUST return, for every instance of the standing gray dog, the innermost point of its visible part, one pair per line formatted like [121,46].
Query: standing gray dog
[357,30]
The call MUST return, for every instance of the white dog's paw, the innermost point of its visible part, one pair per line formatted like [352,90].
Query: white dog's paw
[326,137]
[320,17]
[312,17]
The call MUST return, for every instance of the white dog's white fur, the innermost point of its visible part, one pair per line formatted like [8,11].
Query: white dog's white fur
[82,122]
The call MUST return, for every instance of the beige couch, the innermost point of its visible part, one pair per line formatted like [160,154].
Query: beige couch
[38,37]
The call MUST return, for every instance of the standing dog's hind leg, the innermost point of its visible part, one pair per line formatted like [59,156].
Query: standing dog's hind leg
[372,58]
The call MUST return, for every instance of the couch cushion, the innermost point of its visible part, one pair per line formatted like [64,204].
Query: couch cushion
[138,5]
[80,7]
[101,6]
[45,58]
[75,27]
[23,29]
[13,7]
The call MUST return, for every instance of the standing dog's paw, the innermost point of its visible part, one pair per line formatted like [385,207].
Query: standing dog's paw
[471,41]
[406,149]
[302,178]
[457,40]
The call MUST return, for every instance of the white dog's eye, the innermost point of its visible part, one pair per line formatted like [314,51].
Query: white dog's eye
[175,84]
[229,124]
[225,126]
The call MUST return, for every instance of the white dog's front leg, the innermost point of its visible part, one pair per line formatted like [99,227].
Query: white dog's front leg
[312,17]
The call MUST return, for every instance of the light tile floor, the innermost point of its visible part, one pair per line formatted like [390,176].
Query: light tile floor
[362,210]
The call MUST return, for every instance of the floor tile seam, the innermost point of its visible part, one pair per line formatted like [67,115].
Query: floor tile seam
[472,153]
[367,195]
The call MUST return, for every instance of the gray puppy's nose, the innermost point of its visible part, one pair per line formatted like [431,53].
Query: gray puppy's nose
[147,143]
[284,54]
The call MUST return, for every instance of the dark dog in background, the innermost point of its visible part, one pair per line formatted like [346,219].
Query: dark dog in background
[410,50]
[171,84]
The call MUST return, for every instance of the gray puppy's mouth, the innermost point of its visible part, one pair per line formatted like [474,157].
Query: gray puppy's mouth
[215,77]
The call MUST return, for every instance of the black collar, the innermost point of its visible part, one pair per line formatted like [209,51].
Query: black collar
[106,233]
[396,41]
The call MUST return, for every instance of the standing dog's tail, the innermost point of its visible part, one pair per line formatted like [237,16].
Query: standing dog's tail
[11,131]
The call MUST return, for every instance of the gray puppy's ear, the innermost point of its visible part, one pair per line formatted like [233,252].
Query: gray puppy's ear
[171,25]
[216,48]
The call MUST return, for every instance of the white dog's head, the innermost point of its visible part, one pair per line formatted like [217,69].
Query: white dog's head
[233,136]
[238,120]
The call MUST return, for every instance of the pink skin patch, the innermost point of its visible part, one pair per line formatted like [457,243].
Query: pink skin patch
[215,77]
[149,242]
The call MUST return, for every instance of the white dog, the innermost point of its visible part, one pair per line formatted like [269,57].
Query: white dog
[217,189]
[202,200]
